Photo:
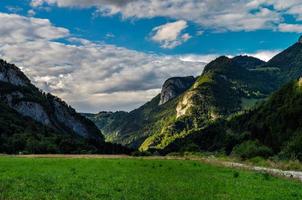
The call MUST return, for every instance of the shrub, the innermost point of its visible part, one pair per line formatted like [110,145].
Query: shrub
[251,149]
[293,149]
[266,176]
[141,153]
[236,174]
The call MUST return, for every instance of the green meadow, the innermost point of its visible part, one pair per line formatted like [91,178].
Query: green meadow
[135,179]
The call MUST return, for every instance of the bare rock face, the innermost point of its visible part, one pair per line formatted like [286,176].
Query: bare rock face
[18,93]
[63,116]
[11,74]
[174,87]
[34,111]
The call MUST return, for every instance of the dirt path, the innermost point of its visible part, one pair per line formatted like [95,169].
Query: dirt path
[276,172]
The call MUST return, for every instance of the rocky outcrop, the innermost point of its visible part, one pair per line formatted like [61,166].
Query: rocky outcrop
[11,74]
[184,104]
[18,93]
[63,115]
[34,111]
[173,87]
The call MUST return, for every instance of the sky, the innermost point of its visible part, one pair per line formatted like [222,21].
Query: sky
[109,55]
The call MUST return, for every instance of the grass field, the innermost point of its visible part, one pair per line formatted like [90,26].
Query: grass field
[135,179]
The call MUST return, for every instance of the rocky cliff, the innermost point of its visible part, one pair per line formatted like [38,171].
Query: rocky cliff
[173,87]
[17,92]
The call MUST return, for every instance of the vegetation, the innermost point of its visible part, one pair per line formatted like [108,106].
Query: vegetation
[24,135]
[217,92]
[136,179]
[271,129]
[134,127]
[225,111]
[19,134]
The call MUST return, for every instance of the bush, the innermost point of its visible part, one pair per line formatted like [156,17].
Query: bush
[141,153]
[260,161]
[251,149]
[236,174]
[293,149]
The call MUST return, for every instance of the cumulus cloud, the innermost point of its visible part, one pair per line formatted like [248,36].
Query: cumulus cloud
[218,15]
[17,29]
[264,55]
[90,76]
[170,35]
[297,28]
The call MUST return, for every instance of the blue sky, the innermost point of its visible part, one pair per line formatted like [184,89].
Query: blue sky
[132,46]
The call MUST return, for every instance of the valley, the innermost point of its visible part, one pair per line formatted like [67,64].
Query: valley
[150,100]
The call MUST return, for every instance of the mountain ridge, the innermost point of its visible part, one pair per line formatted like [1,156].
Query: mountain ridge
[47,122]
[227,87]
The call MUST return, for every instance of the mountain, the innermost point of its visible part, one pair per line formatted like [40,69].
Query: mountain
[227,87]
[35,122]
[272,128]
[173,87]
[133,128]
[288,63]
[166,117]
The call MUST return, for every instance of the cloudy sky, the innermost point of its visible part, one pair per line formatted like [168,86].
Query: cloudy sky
[115,54]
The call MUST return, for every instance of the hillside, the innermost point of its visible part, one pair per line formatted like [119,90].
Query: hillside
[134,127]
[272,128]
[164,118]
[35,122]
[226,86]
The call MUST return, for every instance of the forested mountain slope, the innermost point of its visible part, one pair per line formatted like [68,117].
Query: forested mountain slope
[35,122]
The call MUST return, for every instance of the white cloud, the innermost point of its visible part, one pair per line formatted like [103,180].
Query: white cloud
[264,55]
[198,58]
[170,35]
[16,29]
[90,76]
[36,3]
[297,28]
[31,13]
[217,15]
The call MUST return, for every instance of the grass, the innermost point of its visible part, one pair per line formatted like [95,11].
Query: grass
[135,179]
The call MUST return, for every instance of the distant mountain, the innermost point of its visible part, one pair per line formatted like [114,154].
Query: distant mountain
[226,87]
[133,128]
[272,128]
[36,122]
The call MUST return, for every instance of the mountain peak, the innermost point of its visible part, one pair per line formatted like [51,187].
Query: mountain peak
[247,62]
[9,73]
[174,87]
[17,92]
